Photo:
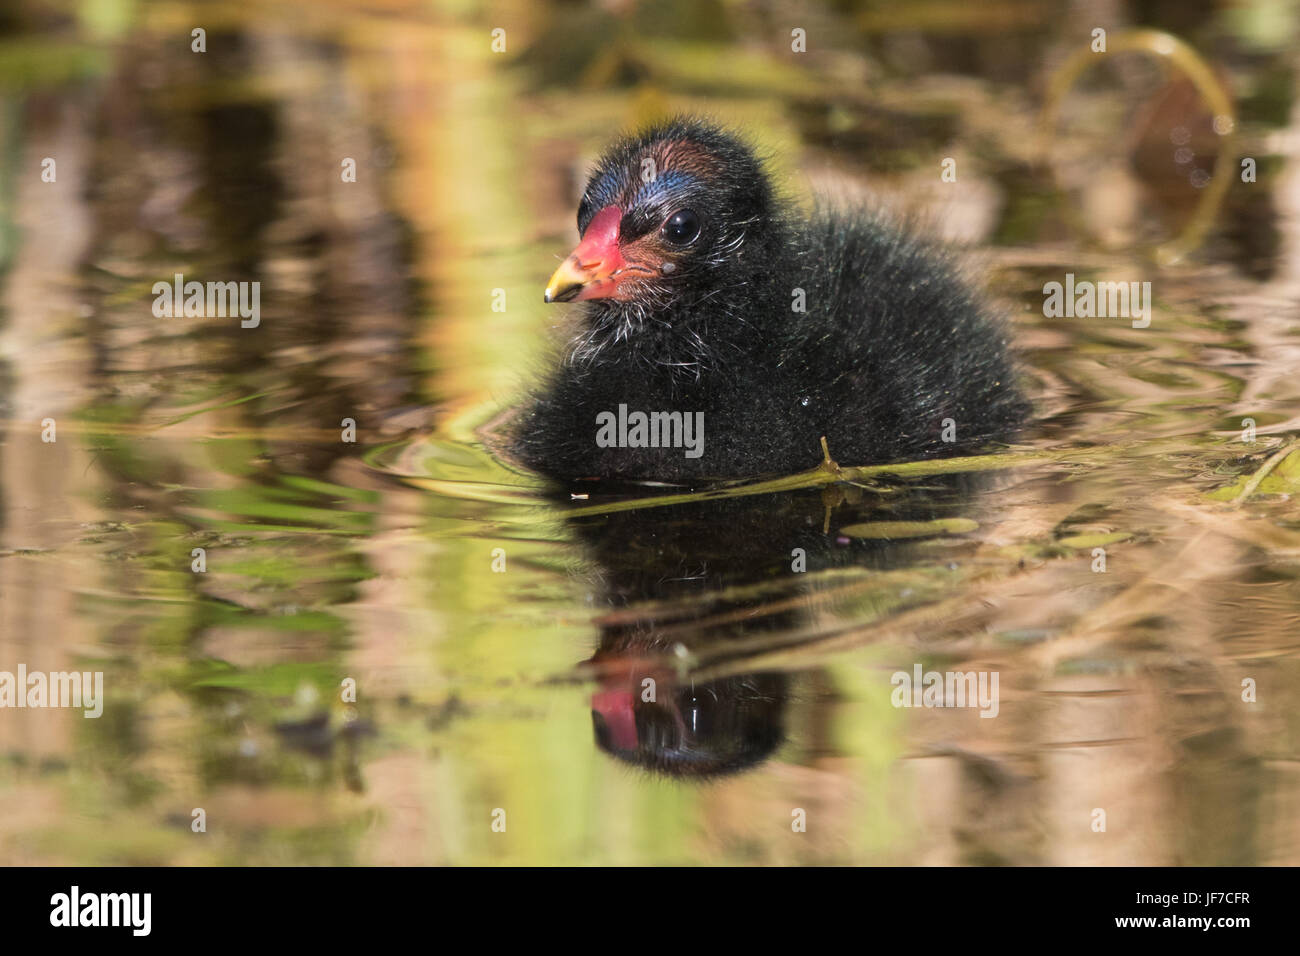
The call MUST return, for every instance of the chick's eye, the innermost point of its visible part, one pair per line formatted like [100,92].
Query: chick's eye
[681,227]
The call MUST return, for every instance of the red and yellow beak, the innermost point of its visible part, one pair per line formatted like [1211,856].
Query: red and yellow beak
[592,269]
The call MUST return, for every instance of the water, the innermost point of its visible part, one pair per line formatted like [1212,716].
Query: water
[484,620]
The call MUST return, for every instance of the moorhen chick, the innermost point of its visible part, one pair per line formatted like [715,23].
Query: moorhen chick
[724,336]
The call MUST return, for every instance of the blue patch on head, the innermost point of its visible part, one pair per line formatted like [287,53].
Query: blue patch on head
[608,190]
[664,182]
[603,192]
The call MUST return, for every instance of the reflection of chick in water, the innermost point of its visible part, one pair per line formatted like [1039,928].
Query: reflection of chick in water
[646,715]
[693,578]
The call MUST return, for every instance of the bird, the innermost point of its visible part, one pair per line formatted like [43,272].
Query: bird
[725,334]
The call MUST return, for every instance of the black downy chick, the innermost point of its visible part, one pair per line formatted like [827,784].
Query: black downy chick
[754,333]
